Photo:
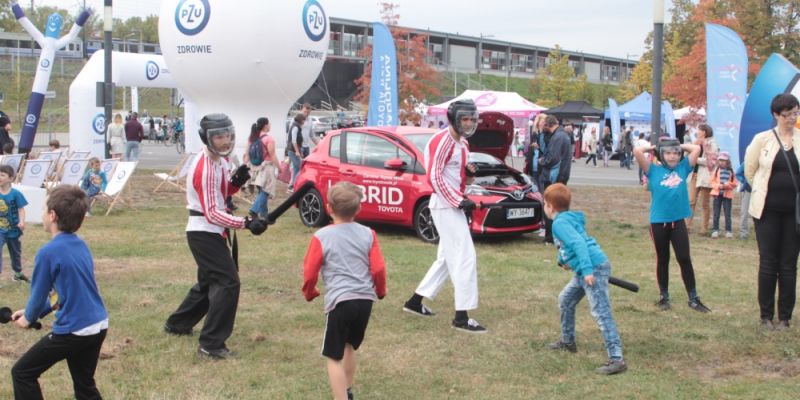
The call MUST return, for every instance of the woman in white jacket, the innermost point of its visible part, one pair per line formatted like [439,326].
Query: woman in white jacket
[771,165]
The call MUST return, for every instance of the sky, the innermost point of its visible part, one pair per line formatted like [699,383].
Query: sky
[606,27]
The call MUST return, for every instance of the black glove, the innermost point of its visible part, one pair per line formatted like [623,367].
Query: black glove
[468,206]
[241,176]
[256,226]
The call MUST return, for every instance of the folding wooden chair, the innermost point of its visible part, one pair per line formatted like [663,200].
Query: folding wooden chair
[35,172]
[72,172]
[176,177]
[116,185]
[14,160]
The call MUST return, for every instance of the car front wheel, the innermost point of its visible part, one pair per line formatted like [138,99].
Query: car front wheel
[312,211]
[423,223]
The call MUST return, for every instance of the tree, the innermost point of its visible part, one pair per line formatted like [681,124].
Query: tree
[556,83]
[416,80]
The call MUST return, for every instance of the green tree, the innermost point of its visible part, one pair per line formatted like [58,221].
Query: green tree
[557,84]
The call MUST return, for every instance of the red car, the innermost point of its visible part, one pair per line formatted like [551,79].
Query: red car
[388,163]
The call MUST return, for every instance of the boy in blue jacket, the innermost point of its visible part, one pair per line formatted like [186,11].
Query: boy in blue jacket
[65,265]
[580,252]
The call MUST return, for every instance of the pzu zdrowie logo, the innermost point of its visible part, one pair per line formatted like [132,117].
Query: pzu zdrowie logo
[191,16]
[30,119]
[99,124]
[151,70]
[314,21]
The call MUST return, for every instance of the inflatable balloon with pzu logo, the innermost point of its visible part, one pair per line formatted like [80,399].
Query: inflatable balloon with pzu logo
[245,58]
[49,42]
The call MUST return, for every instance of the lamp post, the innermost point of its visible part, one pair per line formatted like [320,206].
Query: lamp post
[480,57]
[108,19]
[658,51]
[127,50]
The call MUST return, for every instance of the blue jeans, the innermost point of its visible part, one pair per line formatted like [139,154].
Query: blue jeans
[724,203]
[295,166]
[132,151]
[14,252]
[260,205]
[599,305]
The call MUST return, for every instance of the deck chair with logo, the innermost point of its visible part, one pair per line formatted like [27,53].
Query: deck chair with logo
[72,172]
[34,173]
[14,160]
[176,177]
[117,182]
[55,157]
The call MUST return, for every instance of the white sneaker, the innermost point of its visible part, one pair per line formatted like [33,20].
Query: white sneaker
[728,235]
[714,235]
[542,233]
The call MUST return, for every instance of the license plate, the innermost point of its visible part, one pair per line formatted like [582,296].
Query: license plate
[516,213]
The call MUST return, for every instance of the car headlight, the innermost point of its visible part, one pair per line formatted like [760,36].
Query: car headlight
[476,190]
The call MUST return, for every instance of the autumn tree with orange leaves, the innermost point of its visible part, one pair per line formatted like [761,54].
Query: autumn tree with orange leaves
[416,80]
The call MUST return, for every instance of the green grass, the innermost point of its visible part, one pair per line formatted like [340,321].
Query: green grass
[144,269]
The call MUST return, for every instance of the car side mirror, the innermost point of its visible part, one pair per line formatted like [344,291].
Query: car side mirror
[395,164]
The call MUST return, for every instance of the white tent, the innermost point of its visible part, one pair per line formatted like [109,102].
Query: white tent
[682,112]
[508,103]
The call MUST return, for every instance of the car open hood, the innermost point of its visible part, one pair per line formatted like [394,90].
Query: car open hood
[494,135]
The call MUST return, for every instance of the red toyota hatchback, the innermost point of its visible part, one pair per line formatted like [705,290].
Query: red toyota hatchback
[388,164]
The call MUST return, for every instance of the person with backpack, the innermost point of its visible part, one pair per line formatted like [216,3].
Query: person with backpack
[263,163]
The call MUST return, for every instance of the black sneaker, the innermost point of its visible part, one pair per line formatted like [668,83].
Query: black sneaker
[350,394]
[469,325]
[612,367]
[418,309]
[663,304]
[177,332]
[20,277]
[218,354]
[559,345]
[698,306]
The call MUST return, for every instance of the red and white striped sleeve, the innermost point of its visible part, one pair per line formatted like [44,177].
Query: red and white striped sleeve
[440,150]
[208,186]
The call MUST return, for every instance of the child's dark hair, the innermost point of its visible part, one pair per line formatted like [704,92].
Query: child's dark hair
[8,170]
[558,196]
[345,199]
[706,130]
[55,143]
[70,205]
[8,148]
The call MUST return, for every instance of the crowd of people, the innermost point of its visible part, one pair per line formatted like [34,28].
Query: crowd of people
[348,257]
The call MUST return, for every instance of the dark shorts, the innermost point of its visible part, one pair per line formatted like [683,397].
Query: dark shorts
[345,324]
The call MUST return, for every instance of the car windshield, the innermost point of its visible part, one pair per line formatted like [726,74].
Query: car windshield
[419,140]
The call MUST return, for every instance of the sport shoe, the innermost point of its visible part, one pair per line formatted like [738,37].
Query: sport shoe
[421,310]
[612,367]
[782,324]
[714,235]
[177,332]
[767,324]
[469,325]
[559,345]
[663,304]
[20,277]
[728,235]
[697,305]
[219,354]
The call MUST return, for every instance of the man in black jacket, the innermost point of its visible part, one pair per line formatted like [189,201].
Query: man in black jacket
[556,163]
[5,129]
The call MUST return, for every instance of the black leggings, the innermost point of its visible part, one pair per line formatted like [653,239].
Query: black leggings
[592,158]
[673,232]
[777,263]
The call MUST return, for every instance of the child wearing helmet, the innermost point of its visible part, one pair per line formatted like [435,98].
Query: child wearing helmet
[669,207]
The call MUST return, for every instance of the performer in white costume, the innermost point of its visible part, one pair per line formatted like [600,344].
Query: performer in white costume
[446,161]
[49,42]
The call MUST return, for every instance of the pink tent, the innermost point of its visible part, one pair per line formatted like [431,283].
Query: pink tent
[508,103]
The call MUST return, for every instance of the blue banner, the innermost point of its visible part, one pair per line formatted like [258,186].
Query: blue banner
[726,89]
[777,76]
[613,112]
[669,118]
[383,92]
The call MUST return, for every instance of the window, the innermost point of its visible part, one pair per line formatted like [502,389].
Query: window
[335,149]
[373,151]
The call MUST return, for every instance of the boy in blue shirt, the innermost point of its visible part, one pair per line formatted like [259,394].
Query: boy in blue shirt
[65,265]
[12,221]
[666,181]
[579,252]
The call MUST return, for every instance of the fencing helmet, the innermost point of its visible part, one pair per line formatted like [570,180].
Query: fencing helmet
[666,143]
[463,117]
[217,125]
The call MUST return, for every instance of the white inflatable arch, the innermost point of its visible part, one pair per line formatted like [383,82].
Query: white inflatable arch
[87,121]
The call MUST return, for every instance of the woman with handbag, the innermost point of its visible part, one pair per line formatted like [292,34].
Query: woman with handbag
[771,165]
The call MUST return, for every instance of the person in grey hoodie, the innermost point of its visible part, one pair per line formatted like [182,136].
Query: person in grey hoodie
[555,162]
[579,252]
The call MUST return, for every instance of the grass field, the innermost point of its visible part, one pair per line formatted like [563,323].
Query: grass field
[144,269]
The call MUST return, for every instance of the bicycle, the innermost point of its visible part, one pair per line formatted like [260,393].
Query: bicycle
[180,143]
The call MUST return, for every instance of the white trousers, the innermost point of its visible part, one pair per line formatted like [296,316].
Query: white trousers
[455,258]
